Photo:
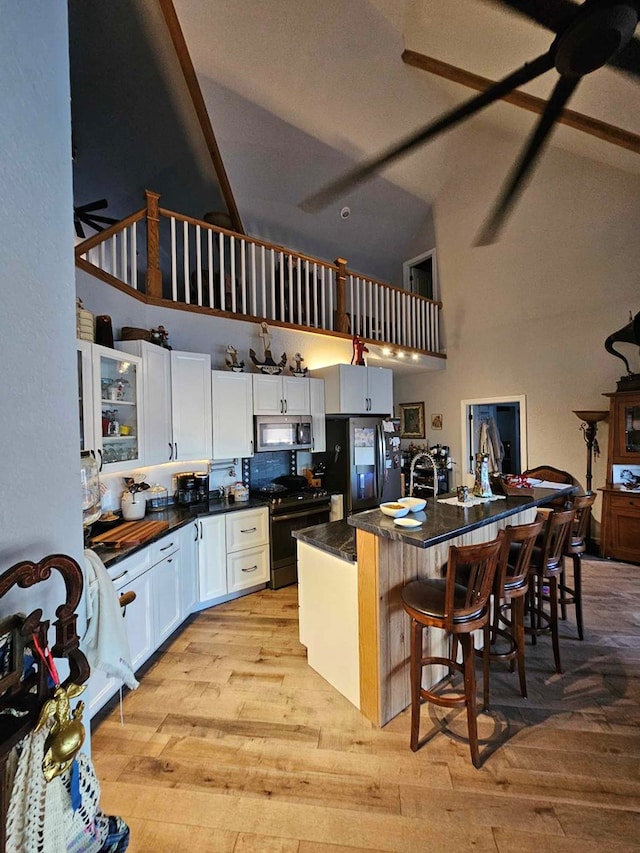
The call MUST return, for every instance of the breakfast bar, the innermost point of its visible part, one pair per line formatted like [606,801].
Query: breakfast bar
[371,635]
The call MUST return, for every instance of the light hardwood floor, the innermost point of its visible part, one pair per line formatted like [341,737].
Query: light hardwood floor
[232,743]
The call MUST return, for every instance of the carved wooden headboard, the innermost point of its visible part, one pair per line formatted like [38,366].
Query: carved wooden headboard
[26,695]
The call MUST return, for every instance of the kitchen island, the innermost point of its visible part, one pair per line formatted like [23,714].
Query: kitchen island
[371,623]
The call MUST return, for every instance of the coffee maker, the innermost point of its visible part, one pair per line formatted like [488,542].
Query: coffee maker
[192,487]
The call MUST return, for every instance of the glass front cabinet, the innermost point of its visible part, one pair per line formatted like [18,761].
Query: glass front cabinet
[110,408]
[621,495]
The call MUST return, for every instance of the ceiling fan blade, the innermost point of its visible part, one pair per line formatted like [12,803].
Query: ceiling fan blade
[563,90]
[361,173]
[555,15]
[629,58]
[100,204]
[79,229]
[89,218]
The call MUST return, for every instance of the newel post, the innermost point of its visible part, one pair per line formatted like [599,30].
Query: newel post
[154,276]
[342,321]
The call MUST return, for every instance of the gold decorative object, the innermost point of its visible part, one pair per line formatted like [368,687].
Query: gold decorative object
[67,732]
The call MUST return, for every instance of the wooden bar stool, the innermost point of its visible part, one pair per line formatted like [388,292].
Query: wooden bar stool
[576,547]
[546,566]
[459,609]
[509,590]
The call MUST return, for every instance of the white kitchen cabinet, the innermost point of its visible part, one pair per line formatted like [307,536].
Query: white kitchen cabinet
[189,535]
[85,395]
[232,414]
[156,399]
[351,389]
[191,405]
[318,423]
[248,561]
[118,422]
[281,395]
[176,401]
[212,558]
[167,595]
[233,553]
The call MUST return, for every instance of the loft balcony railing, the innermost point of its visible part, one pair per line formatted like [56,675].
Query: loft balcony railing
[165,258]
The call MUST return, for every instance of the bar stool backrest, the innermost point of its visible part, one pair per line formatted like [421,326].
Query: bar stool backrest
[474,567]
[515,572]
[556,535]
[582,505]
[552,475]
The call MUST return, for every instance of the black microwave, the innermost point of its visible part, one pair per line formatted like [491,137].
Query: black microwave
[279,432]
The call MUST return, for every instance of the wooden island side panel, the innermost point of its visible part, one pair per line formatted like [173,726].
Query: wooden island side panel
[384,567]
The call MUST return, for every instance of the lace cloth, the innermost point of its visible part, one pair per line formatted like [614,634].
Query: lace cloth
[471,501]
[40,818]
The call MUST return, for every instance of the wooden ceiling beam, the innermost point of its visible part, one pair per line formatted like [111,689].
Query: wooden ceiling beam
[586,124]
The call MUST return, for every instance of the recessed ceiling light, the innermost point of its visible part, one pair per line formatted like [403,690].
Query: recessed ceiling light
[345,213]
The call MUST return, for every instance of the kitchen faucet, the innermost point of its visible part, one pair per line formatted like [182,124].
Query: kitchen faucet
[429,458]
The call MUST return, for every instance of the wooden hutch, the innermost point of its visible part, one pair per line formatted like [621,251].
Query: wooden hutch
[620,505]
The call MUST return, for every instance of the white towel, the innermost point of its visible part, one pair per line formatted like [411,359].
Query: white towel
[105,641]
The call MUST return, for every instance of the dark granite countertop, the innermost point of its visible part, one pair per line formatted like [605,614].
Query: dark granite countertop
[444,521]
[334,537]
[177,516]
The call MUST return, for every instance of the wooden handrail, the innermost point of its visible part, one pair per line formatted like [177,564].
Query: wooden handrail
[107,233]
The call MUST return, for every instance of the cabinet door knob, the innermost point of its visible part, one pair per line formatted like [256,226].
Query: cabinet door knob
[251,569]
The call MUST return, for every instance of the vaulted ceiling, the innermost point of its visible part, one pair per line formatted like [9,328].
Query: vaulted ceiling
[297,93]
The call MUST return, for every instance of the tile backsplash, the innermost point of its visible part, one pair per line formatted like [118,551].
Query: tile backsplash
[265,467]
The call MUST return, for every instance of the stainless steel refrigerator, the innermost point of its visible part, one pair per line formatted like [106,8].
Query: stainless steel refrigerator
[363,461]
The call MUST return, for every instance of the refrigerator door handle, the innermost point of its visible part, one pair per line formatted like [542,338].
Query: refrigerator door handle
[380,460]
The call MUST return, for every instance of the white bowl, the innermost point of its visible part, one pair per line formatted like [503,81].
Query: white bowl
[414,504]
[407,522]
[395,509]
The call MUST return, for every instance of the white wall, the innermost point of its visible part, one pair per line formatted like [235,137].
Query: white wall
[40,510]
[529,315]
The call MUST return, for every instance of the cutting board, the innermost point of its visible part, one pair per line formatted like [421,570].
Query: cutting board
[130,533]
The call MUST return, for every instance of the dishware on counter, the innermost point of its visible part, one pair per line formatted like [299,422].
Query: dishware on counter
[407,522]
[394,509]
[414,504]
[240,492]
[462,493]
[157,498]
[133,505]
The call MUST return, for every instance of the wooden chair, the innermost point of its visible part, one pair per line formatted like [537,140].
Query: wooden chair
[458,609]
[546,566]
[509,590]
[576,547]
[553,475]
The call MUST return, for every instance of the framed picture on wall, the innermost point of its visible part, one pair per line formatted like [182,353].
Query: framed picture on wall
[436,421]
[412,420]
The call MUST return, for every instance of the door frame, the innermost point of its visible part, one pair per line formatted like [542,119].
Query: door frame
[412,262]
[491,401]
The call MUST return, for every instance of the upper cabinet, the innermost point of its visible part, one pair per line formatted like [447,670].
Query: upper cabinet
[355,390]
[117,411]
[232,405]
[318,423]
[191,405]
[176,402]
[85,394]
[624,428]
[281,395]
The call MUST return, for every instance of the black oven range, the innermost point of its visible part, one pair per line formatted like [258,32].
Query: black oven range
[292,505]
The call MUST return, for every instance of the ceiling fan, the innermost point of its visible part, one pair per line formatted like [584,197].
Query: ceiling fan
[588,36]
[85,214]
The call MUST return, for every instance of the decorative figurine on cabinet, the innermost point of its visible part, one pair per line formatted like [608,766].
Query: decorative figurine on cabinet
[359,347]
[629,334]
[268,366]
[231,360]
[160,336]
[298,370]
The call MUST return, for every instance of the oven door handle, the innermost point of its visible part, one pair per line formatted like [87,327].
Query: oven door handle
[289,516]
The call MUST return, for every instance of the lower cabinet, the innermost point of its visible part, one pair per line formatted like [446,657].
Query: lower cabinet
[233,554]
[620,525]
[189,568]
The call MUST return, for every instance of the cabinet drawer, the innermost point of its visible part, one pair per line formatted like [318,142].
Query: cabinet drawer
[164,547]
[247,529]
[247,568]
[124,572]
[629,503]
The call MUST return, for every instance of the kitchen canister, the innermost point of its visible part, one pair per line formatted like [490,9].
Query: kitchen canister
[134,505]
[157,498]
